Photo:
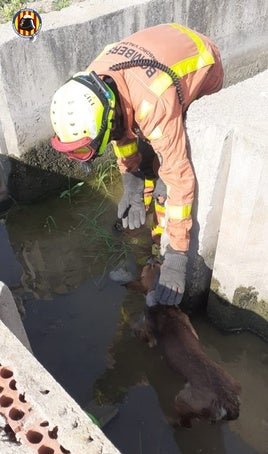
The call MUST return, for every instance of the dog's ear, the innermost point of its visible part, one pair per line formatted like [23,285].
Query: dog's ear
[146,281]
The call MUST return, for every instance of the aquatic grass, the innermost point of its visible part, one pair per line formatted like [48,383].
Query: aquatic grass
[104,174]
[124,315]
[108,247]
[93,419]
[50,224]
[102,177]
[102,238]
[72,190]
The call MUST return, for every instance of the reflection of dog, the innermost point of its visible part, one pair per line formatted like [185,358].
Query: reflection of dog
[210,392]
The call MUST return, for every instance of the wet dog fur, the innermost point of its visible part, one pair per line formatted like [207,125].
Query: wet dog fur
[209,393]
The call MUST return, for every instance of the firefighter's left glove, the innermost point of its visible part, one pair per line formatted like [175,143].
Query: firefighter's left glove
[171,284]
[131,208]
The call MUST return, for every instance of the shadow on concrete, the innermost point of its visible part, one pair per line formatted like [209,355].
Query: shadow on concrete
[198,273]
[41,172]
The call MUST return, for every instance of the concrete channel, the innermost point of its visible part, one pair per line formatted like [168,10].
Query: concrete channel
[229,246]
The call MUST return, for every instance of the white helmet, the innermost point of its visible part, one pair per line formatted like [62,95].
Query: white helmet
[81,113]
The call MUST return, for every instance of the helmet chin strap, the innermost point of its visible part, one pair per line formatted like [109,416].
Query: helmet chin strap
[118,129]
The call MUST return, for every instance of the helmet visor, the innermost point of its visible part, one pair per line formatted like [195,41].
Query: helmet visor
[80,150]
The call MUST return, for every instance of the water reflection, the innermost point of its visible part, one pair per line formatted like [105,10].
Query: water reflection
[60,244]
[78,322]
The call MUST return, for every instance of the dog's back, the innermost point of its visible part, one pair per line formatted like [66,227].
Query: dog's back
[210,392]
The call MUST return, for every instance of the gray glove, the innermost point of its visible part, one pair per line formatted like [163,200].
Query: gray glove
[170,287]
[131,208]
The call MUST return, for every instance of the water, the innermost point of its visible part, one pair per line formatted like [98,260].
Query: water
[77,321]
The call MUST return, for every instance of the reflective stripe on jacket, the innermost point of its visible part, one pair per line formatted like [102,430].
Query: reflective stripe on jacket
[150,103]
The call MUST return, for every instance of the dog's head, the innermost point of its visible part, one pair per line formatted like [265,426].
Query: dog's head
[203,403]
[157,318]
[148,277]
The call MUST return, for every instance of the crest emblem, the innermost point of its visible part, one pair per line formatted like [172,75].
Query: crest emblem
[27,23]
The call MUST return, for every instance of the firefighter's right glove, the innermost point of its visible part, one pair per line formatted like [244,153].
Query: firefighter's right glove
[170,287]
[131,208]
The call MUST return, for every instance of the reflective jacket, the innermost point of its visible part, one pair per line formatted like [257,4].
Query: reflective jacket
[149,102]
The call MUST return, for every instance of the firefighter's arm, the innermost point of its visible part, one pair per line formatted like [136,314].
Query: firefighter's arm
[176,172]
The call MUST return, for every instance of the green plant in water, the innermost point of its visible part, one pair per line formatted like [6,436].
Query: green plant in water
[50,224]
[93,419]
[110,248]
[59,4]
[104,174]
[72,191]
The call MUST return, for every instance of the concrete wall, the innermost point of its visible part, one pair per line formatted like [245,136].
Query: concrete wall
[229,154]
[30,72]
[228,149]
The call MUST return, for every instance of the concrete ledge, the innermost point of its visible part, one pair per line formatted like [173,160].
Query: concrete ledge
[40,413]
[229,154]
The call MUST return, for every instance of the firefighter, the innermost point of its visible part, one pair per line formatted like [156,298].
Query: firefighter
[135,92]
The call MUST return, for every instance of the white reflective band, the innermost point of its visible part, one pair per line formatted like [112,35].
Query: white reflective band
[179,212]
[145,109]
[155,134]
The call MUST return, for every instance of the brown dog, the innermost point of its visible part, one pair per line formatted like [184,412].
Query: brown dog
[210,392]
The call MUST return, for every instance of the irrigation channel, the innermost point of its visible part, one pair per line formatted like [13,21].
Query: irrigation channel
[56,257]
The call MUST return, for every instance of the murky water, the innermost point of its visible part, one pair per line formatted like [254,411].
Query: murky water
[77,321]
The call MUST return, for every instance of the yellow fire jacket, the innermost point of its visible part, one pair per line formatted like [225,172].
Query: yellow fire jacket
[150,102]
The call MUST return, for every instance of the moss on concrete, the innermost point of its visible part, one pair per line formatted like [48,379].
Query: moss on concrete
[215,287]
[247,298]
[245,312]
